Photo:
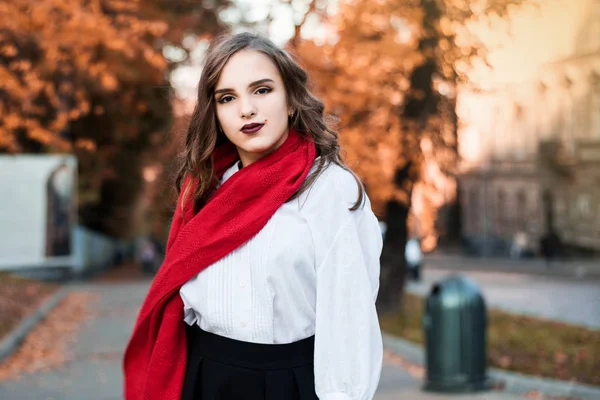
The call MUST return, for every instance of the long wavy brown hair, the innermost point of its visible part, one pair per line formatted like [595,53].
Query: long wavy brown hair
[203,134]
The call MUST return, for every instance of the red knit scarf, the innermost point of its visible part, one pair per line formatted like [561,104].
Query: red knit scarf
[155,358]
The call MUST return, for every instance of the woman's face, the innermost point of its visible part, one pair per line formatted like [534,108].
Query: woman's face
[251,105]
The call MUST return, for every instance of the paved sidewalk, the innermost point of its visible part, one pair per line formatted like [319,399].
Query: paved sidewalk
[570,268]
[397,384]
[95,371]
[561,299]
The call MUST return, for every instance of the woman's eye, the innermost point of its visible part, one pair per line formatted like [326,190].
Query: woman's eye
[225,99]
[263,90]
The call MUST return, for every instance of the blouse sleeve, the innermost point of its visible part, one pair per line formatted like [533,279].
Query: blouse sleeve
[348,344]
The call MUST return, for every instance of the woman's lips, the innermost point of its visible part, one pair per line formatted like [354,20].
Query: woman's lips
[252,128]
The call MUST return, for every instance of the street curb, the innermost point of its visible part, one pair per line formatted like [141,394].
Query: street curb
[12,341]
[510,381]
[572,275]
[574,269]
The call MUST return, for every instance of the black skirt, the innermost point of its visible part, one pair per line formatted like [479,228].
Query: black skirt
[219,368]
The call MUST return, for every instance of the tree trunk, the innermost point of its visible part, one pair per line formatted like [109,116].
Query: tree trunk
[111,214]
[393,262]
[421,103]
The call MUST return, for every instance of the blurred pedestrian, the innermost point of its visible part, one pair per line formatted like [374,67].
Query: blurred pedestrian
[520,245]
[119,254]
[268,287]
[148,255]
[414,258]
[551,246]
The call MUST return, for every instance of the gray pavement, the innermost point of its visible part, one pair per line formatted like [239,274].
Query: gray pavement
[570,300]
[95,371]
[588,268]
[397,384]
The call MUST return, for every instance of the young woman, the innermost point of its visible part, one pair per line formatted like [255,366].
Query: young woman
[269,283]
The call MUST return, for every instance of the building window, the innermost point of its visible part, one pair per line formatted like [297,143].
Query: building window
[548,209]
[522,212]
[474,211]
[584,206]
[500,212]
[583,125]
[542,122]
[595,107]
[519,132]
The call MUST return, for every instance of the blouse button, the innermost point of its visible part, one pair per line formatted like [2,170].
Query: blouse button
[243,284]
[244,324]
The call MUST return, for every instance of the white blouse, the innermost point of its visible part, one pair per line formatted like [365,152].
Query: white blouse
[312,270]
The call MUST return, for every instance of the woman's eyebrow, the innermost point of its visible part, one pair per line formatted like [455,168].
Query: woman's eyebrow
[255,83]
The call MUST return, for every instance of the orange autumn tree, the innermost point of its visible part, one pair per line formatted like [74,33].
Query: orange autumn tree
[89,77]
[191,23]
[84,77]
[188,22]
[61,60]
[391,75]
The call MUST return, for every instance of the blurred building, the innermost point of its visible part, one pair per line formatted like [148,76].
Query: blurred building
[530,131]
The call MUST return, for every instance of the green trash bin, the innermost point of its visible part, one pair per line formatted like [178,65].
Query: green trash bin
[455,324]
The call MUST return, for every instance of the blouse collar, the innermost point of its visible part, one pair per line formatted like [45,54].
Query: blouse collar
[231,170]
[236,167]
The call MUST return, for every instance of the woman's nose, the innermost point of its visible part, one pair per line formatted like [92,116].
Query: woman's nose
[247,108]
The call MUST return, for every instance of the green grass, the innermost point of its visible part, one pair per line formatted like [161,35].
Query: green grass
[519,343]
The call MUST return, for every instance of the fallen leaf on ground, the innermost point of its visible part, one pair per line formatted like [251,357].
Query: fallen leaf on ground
[47,345]
[416,371]
[19,297]
[126,273]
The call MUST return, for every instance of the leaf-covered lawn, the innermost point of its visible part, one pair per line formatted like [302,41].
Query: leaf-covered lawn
[518,343]
[49,345]
[19,297]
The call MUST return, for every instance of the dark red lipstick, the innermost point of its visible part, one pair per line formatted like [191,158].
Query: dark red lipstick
[252,128]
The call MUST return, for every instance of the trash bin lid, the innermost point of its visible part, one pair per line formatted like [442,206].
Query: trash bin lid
[456,290]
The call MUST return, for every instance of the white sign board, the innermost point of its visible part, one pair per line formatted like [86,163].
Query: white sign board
[37,210]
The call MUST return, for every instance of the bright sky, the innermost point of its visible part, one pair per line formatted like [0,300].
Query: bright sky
[281,29]
[535,37]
